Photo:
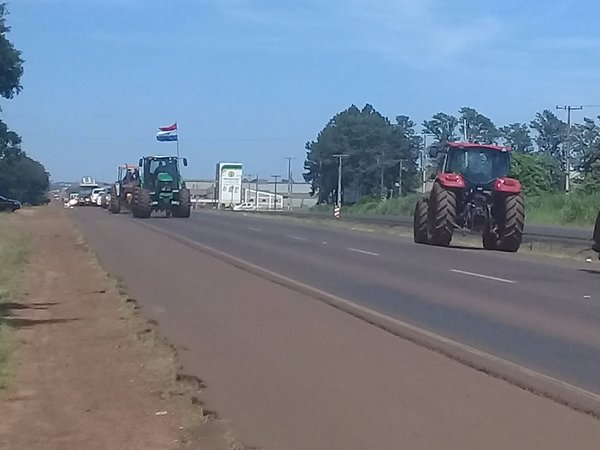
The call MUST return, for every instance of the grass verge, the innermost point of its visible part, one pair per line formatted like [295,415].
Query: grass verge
[576,209]
[14,249]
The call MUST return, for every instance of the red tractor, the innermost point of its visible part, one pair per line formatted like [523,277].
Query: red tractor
[472,191]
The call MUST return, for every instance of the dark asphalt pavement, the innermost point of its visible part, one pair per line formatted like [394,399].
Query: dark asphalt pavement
[541,313]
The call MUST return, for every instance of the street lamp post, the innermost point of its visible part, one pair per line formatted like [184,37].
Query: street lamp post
[423,158]
[339,156]
[568,109]
[275,202]
[289,158]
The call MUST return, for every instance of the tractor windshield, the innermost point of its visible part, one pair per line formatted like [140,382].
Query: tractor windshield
[479,166]
[164,166]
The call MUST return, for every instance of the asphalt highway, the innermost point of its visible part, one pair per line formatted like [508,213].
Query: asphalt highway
[543,314]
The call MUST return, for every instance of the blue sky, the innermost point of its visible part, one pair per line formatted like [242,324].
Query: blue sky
[252,81]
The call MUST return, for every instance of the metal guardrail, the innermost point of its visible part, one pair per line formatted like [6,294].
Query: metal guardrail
[531,232]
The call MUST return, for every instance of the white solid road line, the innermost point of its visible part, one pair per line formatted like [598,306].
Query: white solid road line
[486,277]
[298,238]
[254,229]
[364,252]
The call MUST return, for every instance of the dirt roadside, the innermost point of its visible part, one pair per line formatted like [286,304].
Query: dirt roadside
[87,371]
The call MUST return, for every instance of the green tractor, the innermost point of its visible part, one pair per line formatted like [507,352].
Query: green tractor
[161,188]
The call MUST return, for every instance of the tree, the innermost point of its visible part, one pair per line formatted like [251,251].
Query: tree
[531,171]
[551,134]
[373,145]
[517,135]
[23,178]
[20,176]
[11,64]
[479,127]
[442,126]
[583,140]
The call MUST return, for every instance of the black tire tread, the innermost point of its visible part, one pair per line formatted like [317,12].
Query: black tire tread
[141,207]
[442,215]
[514,222]
[183,210]
[420,222]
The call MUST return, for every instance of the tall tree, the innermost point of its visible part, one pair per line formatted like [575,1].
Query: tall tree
[373,146]
[517,135]
[479,127]
[20,176]
[442,126]
[11,63]
[551,134]
[583,139]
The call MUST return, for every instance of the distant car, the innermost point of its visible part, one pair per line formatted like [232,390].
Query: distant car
[85,197]
[8,204]
[96,194]
[245,207]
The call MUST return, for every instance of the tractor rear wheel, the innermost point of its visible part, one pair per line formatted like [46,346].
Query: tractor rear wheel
[140,205]
[513,221]
[441,215]
[185,205]
[596,235]
[420,222]
[114,205]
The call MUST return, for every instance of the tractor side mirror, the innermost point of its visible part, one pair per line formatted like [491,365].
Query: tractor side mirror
[433,151]
[141,162]
[185,162]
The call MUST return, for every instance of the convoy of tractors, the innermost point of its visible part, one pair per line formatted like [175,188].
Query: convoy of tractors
[153,185]
[471,191]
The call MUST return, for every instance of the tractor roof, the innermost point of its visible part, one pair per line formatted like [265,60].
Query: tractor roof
[474,146]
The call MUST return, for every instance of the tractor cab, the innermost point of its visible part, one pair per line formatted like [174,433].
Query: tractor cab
[480,165]
[161,172]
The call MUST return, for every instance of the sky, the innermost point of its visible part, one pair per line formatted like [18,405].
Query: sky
[253,81]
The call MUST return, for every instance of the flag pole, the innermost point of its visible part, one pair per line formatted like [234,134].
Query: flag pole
[177,128]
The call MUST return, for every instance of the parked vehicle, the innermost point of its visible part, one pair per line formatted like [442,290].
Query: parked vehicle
[473,191]
[245,207]
[9,204]
[95,195]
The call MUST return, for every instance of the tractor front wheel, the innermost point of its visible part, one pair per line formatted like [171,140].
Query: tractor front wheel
[141,205]
[512,222]
[185,205]
[420,222]
[441,215]
[114,205]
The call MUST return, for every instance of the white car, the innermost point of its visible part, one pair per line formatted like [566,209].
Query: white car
[96,195]
[245,207]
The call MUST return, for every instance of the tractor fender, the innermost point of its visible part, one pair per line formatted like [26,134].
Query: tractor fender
[507,185]
[451,180]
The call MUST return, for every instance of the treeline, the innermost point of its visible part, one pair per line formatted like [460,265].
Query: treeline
[21,177]
[381,154]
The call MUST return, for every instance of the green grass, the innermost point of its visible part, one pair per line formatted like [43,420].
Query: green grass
[14,248]
[575,209]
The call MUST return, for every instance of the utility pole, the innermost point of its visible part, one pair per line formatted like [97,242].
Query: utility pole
[465,132]
[275,176]
[567,144]
[256,194]
[382,194]
[289,158]
[400,170]
[423,159]
[339,156]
